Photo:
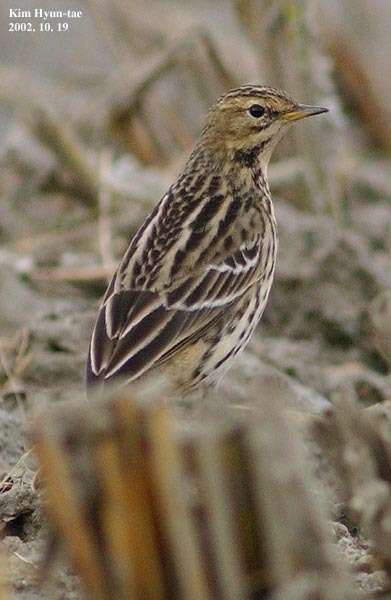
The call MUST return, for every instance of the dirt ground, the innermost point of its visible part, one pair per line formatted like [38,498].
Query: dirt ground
[316,339]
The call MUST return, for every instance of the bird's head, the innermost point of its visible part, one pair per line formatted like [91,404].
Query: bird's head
[246,123]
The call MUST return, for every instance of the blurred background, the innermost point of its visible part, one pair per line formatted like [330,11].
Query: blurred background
[97,121]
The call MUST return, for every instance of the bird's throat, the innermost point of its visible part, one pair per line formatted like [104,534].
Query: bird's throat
[248,157]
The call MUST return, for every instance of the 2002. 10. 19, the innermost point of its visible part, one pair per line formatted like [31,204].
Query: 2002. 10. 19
[43,27]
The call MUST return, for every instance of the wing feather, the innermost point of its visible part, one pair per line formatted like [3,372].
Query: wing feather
[138,329]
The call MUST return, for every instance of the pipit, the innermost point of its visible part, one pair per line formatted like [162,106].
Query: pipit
[196,276]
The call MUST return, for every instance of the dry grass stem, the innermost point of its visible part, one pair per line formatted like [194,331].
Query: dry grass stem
[220,513]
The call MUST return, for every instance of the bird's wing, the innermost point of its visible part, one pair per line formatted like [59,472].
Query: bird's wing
[138,329]
[193,257]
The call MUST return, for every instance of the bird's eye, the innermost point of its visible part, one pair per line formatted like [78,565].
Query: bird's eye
[256,111]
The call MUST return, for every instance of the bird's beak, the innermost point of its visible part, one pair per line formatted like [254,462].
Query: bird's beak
[301,111]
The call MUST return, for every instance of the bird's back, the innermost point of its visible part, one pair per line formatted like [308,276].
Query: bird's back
[189,290]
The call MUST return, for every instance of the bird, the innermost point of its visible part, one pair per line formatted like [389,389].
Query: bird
[195,279]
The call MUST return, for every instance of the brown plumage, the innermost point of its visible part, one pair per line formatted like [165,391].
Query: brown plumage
[195,279]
